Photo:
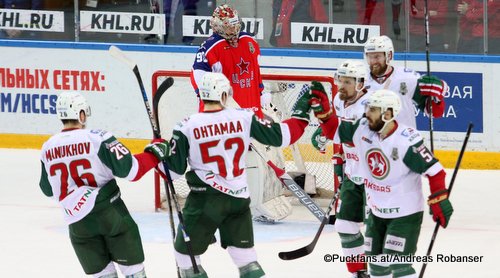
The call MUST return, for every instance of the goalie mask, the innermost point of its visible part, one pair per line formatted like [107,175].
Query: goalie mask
[213,86]
[70,104]
[380,44]
[385,99]
[355,69]
[226,23]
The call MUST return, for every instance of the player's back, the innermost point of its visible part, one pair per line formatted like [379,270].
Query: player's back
[218,144]
[73,161]
[76,152]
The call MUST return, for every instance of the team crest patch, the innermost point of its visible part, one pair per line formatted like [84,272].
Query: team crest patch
[252,49]
[377,163]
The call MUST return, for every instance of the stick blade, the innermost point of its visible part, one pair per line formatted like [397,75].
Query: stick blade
[164,86]
[295,254]
[119,55]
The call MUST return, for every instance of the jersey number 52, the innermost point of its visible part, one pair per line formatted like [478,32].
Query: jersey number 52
[231,143]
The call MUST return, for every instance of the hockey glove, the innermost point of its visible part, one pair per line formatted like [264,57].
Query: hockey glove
[319,141]
[302,106]
[160,148]
[441,208]
[433,87]
[320,102]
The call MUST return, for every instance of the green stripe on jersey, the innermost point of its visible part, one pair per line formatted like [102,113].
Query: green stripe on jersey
[116,156]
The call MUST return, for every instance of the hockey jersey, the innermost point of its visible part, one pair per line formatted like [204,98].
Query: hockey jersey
[215,145]
[352,113]
[392,167]
[78,163]
[239,64]
[404,82]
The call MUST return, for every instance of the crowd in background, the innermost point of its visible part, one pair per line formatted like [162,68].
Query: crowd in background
[456,26]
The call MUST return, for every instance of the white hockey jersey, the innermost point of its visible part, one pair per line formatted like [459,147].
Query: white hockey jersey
[392,167]
[215,145]
[404,82]
[78,163]
[352,112]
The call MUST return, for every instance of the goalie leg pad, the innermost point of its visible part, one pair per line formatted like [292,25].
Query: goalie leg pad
[252,270]
[108,272]
[266,190]
[242,256]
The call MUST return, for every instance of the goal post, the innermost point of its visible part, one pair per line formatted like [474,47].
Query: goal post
[284,89]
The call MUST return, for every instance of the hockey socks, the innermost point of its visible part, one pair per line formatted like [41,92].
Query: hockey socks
[353,248]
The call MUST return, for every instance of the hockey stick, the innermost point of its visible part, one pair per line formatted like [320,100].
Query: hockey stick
[117,53]
[165,85]
[306,250]
[450,187]
[289,183]
[428,61]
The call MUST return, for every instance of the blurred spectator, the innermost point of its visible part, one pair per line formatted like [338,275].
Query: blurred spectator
[370,7]
[472,26]
[173,17]
[437,25]
[287,11]
[18,4]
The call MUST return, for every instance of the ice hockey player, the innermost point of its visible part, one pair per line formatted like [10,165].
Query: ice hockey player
[413,89]
[393,157]
[214,143]
[349,104]
[78,170]
[236,54]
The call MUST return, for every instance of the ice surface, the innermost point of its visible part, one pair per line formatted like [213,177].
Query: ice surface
[34,240]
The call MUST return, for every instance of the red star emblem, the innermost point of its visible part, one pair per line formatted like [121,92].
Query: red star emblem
[243,66]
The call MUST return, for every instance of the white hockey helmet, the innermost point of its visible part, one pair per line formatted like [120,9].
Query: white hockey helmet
[213,86]
[380,44]
[385,99]
[356,69]
[70,104]
[226,22]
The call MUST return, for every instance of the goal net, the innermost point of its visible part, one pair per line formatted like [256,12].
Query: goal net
[180,101]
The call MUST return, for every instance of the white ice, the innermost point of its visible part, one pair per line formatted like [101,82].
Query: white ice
[34,241]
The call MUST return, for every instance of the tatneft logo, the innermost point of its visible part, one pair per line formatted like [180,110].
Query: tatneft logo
[333,34]
[199,26]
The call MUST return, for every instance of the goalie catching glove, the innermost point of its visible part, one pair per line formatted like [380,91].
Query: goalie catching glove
[159,148]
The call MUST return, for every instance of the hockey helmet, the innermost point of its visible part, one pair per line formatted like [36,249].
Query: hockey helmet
[213,86]
[380,44]
[226,22]
[385,99]
[70,104]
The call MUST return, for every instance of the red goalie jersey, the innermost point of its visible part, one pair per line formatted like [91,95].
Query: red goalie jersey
[239,64]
